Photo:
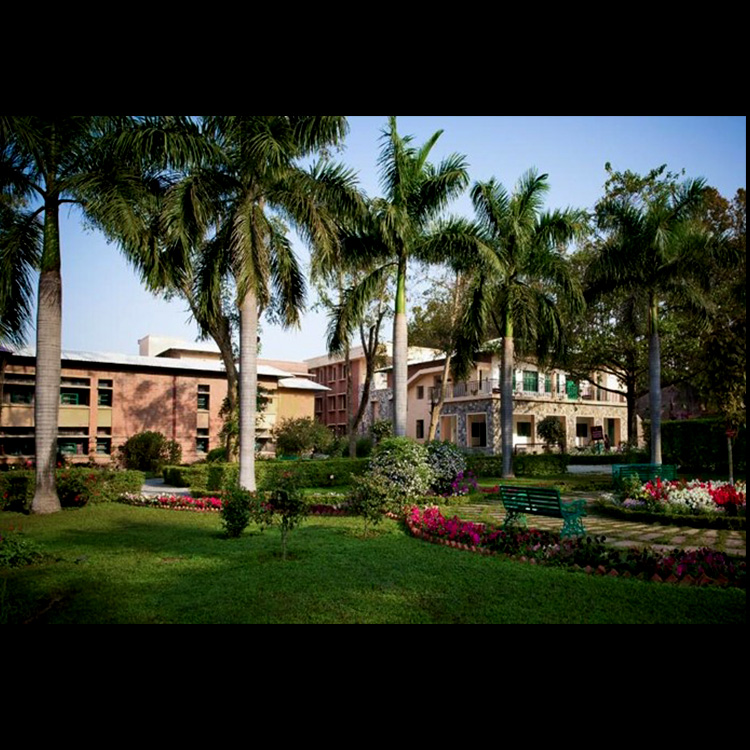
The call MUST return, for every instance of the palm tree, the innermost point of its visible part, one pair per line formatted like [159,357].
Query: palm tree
[520,282]
[44,163]
[400,226]
[653,247]
[230,216]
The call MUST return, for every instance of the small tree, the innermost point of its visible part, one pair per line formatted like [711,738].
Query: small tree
[552,431]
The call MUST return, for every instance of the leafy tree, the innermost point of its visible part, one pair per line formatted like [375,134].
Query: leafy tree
[651,245]
[400,227]
[552,431]
[521,284]
[436,325]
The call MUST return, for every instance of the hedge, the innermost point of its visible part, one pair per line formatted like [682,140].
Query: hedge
[76,486]
[330,472]
[523,465]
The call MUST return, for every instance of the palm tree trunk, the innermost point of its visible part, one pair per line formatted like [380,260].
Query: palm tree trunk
[506,399]
[48,365]
[400,353]
[654,363]
[248,388]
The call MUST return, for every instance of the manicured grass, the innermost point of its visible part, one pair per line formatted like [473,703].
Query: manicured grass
[121,564]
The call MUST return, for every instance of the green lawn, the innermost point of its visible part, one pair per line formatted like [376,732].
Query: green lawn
[122,564]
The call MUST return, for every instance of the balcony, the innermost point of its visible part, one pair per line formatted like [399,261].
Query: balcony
[466,389]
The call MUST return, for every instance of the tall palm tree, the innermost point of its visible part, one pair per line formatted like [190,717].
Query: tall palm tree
[401,226]
[656,248]
[521,280]
[230,214]
[44,163]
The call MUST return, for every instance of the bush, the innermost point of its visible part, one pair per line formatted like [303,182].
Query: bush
[364,447]
[546,464]
[401,464]
[235,511]
[381,429]
[216,455]
[76,487]
[700,445]
[302,435]
[447,461]
[149,451]
[371,499]
[16,552]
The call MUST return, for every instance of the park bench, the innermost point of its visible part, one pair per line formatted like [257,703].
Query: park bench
[645,472]
[542,501]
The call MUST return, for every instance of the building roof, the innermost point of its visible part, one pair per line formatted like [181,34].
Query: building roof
[133,360]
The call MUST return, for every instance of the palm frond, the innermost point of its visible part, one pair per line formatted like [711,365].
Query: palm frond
[20,250]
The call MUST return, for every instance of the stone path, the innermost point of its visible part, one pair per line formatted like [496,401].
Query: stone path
[621,533]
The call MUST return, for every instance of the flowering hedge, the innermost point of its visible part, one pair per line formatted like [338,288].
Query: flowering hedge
[173,502]
[546,547]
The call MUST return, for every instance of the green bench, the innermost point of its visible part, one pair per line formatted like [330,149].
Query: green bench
[644,472]
[542,501]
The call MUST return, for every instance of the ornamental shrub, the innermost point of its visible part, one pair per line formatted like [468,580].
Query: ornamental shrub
[149,451]
[235,511]
[302,436]
[401,464]
[447,461]
[552,431]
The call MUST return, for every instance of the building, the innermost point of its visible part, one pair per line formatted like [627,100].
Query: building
[331,408]
[172,387]
[471,418]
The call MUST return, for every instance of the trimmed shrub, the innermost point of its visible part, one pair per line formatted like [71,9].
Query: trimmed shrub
[542,465]
[302,435]
[235,511]
[149,451]
[76,487]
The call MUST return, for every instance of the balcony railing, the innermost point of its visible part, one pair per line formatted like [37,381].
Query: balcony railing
[485,388]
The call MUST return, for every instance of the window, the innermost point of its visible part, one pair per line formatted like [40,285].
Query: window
[548,383]
[530,381]
[420,392]
[582,430]
[420,429]
[104,393]
[21,397]
[204,397]
[201,442]
[523,429]
[68,399]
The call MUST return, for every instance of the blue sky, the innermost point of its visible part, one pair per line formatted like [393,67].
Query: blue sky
[106,309]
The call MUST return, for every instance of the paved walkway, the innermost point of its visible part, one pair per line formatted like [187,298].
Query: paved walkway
[618,533]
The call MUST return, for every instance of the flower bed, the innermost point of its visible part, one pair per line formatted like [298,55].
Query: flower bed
[695,503]
[704,566]
[213,504]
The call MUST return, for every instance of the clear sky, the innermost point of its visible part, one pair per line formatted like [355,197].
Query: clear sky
[106,309]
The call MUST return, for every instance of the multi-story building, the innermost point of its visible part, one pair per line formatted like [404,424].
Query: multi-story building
[470,416]
[331,408]
[175,388]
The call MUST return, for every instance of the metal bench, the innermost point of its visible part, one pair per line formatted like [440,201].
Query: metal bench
[542,501]
[645,472]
